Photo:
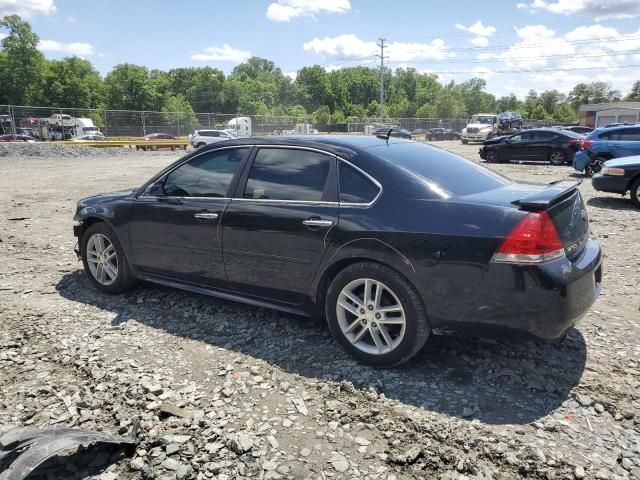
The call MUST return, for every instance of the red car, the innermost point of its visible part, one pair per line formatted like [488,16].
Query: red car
[17,138]
[159,136]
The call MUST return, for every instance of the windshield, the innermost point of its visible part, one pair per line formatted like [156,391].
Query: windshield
[443,173]
[485,119]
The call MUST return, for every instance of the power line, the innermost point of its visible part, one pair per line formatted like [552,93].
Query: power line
[550,69]
[382,57]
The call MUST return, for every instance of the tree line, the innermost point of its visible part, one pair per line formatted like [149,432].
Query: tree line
[259,87]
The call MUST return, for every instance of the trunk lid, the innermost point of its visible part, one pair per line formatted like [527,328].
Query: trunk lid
[561,200]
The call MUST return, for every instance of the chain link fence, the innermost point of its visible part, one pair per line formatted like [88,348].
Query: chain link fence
[52,123]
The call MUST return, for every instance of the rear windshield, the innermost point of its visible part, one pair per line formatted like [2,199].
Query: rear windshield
[443,174]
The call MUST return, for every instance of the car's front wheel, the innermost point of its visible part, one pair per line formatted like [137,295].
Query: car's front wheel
[464,142]
[104,260]
[635,193]
[493,157]
[376,315]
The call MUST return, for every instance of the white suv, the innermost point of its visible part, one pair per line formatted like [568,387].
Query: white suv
[200,138]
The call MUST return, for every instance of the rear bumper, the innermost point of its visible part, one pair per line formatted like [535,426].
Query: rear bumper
[580,160]
[610,183]
[542,301]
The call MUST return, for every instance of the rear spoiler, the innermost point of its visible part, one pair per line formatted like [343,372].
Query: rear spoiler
[550,195]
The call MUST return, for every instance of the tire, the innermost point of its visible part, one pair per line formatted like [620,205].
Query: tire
[200,145]
[557,157]
[123,280]
[493,157]
[399,341]
[635,193]
[594,166]
[464,142]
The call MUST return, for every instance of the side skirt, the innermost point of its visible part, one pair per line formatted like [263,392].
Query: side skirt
[225,295]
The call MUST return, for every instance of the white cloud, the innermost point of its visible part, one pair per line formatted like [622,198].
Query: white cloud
[27,8]
[292,75]
[3,35]
[286,10]
[349,46]
[481,33]
[72,19]
[225,53]
[478,29]
[80,49]
[598,9]
[480,41]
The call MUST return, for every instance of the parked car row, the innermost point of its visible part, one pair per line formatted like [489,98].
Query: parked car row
[17,138]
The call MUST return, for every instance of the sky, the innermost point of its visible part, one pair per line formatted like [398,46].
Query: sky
[514,45]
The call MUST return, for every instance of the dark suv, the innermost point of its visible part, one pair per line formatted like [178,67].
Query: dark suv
[604,144]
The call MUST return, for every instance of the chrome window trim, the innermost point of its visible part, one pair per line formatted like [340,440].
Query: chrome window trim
[340,159]
[372,179]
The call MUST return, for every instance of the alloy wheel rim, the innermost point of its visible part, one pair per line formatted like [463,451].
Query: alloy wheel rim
[557,157]
[371,316]
[595,167]
[102,259]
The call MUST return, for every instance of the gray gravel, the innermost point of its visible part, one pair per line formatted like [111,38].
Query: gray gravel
[226,391]
[57,151]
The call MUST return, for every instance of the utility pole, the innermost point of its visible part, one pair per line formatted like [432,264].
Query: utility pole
[381,57]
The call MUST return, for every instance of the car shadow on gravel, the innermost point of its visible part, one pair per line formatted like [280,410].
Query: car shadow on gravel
[493,382]
[611,203]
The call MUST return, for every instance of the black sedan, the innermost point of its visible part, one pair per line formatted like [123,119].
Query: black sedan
[388,239]
[620,175]
[442,134]
[392,132]
[537,145]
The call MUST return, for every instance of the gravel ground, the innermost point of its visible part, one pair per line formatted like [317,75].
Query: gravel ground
[223,390]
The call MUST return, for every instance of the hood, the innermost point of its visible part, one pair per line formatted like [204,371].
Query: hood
[105,197]
[478,125]
[494,140]
[624,162]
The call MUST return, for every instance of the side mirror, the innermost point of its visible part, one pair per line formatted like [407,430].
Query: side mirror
[156,189]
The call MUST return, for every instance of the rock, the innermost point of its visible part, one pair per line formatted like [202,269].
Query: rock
[339,462]
[170,464]
[362,441]
[305,452]
[168,410]
[269,465]
[408,456]
[240,443]
[137,463]
[602,474]
[584,400]
[300,406]
[579,473]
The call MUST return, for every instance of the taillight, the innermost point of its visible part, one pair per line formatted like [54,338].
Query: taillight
[534,240]
[584,144]
[574,141]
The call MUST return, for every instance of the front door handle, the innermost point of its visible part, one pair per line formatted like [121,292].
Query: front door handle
[206,216]
[316,222]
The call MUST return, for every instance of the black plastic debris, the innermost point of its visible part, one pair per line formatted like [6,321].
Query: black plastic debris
[23,450]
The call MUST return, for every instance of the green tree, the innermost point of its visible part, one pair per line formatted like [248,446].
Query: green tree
[21,76]
[634,94]
[72,82]
[315,87]
[181,115]
[131,87]
[508,103]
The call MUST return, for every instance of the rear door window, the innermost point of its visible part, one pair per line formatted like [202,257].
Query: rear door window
[630,134]
[288,174]
[355,187]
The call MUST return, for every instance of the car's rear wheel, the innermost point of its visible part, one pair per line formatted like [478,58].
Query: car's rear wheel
[376,315]
[557,157]
[493,157]
[594,166]
[464,142]
[635,193]
[200,145]
[104,260]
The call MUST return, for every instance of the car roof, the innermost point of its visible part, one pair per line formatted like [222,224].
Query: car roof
[618,127]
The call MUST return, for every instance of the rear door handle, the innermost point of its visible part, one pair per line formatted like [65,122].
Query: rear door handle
[206,216]
[316,222]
